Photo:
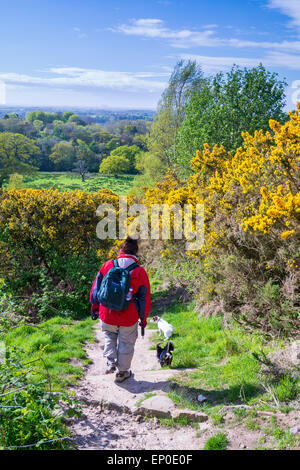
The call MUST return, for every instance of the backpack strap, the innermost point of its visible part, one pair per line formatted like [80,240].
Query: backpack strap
[131,267]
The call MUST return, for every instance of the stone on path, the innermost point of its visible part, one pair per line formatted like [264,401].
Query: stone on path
[191,415]
[160,406]
[295,430]
[163,407]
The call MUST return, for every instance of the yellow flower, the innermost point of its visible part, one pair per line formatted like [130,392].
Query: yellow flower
[286,234]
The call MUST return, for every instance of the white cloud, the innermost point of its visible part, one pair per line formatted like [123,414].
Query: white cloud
[79,33]
[186,38]
[154,28]
[284,60]
[73,77]
[215,64]
[212,64]
[290,8]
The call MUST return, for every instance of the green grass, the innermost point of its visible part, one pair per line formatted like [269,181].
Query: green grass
[252,424]
[283,440]
[175,422]
[287,389]
[60,343]
[225,369]
[70,182]
[217,442]
[217,418]
[240,414]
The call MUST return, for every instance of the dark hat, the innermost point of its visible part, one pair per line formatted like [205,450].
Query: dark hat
[130,246]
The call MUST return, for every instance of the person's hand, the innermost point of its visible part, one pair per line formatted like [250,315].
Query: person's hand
[143,323]
[95,314]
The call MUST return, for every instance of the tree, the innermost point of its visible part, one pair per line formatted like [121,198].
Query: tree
[16,155]
[10,123]
[113,143]
[16,126]
[186,78]
[43,161]
[63,156]
[141,141]
[58,130]
[66,116]
[47,118]
[91,159]
[128,152]
[114,165]
[11,116]
[81,168]
[76,120]
[38,125]
[151,169]
[79,132]
[15,181]
[217,113]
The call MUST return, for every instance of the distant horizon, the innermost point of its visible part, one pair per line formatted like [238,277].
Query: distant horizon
[75,107]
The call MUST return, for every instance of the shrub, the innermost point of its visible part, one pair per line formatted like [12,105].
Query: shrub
[250,255]
[49,247]
[27,416]
[287,389]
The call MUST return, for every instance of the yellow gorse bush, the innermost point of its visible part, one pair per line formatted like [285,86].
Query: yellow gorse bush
[249,263]
[257,188]
[44,221]
[49,249]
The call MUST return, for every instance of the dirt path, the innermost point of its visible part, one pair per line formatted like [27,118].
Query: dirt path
[148,377]
[112,420]
[117,427]
[114,430]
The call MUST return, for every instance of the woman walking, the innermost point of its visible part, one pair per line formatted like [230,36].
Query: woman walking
[120,327]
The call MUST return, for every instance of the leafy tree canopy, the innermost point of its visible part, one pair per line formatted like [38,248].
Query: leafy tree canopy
[225,105]
[130,153]
[16,154]
[114,165]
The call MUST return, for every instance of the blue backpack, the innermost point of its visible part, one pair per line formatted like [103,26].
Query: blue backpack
[114,289]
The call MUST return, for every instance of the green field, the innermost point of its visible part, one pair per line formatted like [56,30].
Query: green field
[69,182]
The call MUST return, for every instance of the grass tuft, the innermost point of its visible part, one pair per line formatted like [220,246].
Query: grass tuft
[217,442]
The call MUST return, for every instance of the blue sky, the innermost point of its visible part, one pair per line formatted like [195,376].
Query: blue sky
[120,53]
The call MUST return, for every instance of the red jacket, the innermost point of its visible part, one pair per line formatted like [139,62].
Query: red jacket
[141,290]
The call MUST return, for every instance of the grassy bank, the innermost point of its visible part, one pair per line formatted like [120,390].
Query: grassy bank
[41,363]
[60,343]
[227,364]
[250,402]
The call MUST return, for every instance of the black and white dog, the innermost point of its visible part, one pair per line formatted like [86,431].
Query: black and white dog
[163,326]
[164,355]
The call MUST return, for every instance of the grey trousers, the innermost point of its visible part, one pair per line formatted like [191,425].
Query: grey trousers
[119,344]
